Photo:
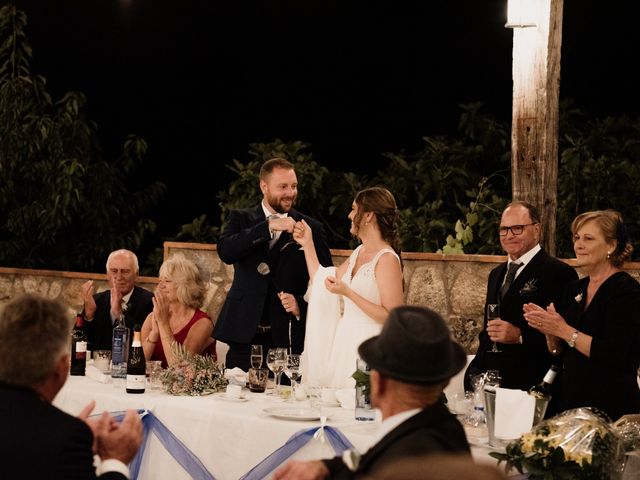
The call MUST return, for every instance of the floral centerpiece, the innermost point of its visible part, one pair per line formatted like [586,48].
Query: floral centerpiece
[578,443]
[193,374]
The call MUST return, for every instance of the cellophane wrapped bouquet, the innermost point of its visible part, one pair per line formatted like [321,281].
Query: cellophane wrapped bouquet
[193,374]
[576,444]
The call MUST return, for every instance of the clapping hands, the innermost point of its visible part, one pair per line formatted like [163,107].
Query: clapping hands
[161,312]
[111,439]
[546,321]
[90,307]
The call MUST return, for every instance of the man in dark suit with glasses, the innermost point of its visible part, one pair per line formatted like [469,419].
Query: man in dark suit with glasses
[520,353]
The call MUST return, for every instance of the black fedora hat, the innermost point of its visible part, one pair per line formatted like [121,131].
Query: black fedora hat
[414,346]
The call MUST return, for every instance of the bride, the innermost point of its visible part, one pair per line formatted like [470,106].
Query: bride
[370,284]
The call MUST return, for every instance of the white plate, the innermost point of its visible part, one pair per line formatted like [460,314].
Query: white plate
[228,398]
[293,413]
[330,404]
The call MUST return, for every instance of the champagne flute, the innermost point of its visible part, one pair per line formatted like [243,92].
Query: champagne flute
[275,361]
[256,356]
[493,312]
[292,369]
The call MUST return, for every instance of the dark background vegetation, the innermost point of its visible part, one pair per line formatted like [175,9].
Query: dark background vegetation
[388,91]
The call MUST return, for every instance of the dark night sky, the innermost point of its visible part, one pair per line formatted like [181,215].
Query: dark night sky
[200,80]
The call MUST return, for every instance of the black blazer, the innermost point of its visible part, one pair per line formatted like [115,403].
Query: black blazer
[433,430]
[100,329]
[521,365]
[608,378]
[40,441]
[245,244]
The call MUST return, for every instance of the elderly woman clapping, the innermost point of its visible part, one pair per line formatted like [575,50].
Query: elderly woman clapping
[597,325]
[176,315]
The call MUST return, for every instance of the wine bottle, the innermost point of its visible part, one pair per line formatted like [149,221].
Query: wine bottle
[78,347]
[120,349]
[136,365]
[543,389]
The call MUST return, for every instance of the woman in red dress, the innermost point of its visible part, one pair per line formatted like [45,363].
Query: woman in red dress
[176,315]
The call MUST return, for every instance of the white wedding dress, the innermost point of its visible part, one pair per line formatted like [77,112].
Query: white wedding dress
[332,340]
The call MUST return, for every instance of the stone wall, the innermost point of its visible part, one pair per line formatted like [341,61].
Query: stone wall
[454,285]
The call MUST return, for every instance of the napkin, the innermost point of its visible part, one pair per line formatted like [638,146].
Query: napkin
[513,413]
[95,374]
[236,376]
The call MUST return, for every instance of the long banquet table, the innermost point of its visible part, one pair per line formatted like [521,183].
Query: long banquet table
[228,437]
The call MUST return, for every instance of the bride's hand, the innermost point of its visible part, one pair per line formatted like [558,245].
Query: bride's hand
[302,233]
[335,285]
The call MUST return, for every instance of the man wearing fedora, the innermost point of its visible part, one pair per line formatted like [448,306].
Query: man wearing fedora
[411,363]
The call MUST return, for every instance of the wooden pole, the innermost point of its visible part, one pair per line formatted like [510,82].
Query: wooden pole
[534,128]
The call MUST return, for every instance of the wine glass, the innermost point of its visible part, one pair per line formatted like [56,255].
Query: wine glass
[256,356]
[292,369]
[276,358]
[493,312]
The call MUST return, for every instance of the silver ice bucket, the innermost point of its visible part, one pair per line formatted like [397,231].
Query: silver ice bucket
[490,408]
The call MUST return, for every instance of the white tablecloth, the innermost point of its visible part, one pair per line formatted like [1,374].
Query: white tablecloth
[228,437]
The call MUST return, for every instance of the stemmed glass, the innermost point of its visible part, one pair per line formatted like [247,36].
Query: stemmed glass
[256,356]
[292,369]
[493,312]
[276,359]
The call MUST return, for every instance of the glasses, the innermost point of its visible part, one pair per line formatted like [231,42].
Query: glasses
[515,229]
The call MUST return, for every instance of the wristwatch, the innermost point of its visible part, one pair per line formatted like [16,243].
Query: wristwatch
[572,340]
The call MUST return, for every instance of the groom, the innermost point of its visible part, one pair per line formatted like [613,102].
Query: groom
[262,307]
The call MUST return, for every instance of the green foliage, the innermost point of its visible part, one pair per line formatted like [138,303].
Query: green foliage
[598,169]
[363,380]
[433,187]
[450,178]
[61,205]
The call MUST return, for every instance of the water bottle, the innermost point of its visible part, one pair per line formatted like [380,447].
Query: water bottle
[120,349]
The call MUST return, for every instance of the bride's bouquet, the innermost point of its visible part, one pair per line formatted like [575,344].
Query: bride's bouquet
[578,443]
[193,374]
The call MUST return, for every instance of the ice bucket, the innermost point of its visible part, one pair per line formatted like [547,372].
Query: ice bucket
[490,409]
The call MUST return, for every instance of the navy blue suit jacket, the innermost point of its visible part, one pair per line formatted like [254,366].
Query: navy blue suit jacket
[41,441]
[245,244]
[100,329]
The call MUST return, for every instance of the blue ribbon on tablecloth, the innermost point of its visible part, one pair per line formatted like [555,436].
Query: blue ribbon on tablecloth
[187,460]
[336,438]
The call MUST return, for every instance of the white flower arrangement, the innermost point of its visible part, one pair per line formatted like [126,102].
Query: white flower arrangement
[578,443]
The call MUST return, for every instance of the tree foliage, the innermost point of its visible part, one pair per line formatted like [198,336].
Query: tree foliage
[61,204]
[446,179]
[598,169]
[64,206]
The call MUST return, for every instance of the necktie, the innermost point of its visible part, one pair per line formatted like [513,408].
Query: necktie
[275,234]
[508,279]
